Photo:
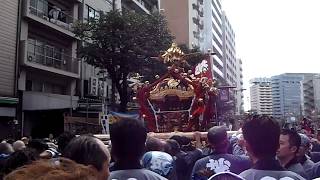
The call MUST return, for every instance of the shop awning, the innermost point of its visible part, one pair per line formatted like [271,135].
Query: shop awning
[8,100]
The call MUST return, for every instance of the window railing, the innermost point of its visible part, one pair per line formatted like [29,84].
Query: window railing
[53,14]
[50,57]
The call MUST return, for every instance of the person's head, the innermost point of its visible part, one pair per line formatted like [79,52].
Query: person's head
[305,145]
[158,162]
[50,136]
[25,140]
[184,142]
[173,147]
[261,135]
[289,142]
[128,138]
[6,148]
[218,138]
[154,144]
[18,145]
[19,159]
[10,140]
[38,145]
[64,139]
[54,169]
[90,151]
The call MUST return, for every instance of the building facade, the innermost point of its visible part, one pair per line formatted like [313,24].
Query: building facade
[261,96]
[204,24]
[239,88]
[286,95]
[213,36]
[139,6]
[197,23]
[232,67]
[311,96]
[9,23]
[43,80]
[229,52]
[49,70]
[186,24]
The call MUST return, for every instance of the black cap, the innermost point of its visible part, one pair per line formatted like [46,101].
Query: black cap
[217,134]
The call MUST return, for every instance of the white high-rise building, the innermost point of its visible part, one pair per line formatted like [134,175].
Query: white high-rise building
[213,36]
[229,52]
[261,96]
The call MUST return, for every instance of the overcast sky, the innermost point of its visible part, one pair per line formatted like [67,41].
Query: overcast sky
[275,36]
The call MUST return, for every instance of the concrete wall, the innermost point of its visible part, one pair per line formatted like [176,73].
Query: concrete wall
[192,27]
[44,101]
[8,37]
[177,14]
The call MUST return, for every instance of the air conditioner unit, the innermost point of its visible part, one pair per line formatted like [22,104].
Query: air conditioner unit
[93,86]
[31,57]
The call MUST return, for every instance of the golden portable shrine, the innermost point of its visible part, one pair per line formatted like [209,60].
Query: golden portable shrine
[180,100]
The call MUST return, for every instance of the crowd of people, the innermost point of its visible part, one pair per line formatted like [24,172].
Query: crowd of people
[259,150]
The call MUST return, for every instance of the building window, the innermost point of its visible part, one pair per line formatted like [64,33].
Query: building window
[91,13]
[44,53]
[39,7]
[46,87]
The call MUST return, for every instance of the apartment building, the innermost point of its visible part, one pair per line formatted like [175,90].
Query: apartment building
[49,70]
[197,23]
[186,24]
[213,36]
[229,52]
[311,96]
[261,96]
[231,67]
[140,6]
[8,67]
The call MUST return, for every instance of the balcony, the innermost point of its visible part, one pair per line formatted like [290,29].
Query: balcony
[43,12]
[137,5]
[218,60]
[217,70]
[49,59]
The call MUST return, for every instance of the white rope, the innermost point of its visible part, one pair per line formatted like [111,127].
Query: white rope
[162,112]
[154,113]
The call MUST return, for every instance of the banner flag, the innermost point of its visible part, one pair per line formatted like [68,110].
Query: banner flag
[112,117]
[224,94]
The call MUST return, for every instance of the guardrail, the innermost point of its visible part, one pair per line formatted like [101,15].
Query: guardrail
[49,56]
[53,14]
